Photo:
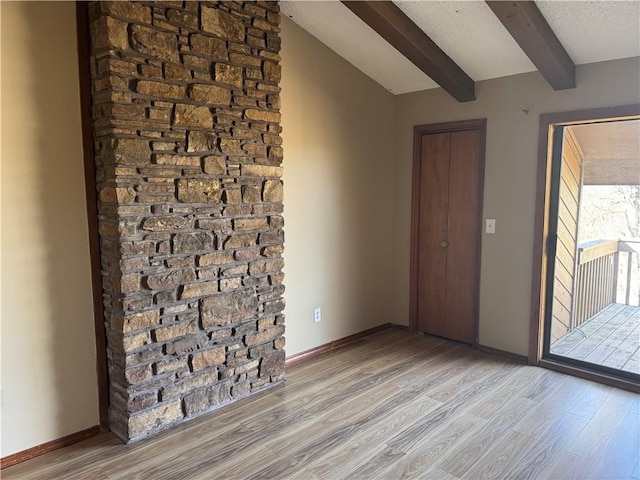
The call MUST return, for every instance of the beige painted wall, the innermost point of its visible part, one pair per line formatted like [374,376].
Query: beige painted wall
[48,348]
[338,131]
[512,106]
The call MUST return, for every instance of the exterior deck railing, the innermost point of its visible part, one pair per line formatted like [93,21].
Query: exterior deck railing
[603,275]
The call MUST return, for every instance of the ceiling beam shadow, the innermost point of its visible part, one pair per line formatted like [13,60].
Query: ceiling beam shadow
[530,30]
[401,32]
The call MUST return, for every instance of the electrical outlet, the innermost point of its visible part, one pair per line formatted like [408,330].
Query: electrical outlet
[317,315]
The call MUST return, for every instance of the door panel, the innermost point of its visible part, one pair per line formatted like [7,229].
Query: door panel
[462,255]
[432,258]
[446,242]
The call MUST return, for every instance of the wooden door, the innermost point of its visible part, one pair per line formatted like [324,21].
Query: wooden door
[448,177]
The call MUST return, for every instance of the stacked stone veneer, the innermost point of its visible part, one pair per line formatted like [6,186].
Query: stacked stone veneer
[185,101]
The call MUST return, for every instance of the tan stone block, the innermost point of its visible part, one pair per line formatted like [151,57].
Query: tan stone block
[273,191]
[214,165]
[159,89]
[241,241]
[130,10]
[215,258]
[251,194]
[255,149]
[181,18]
[171,159]
[222,24]
[272,72]
[130,282]
[230,284]
[255,170]
[171,72]
[248,224]
[200,289]
[272,364]
[264,336]
[261,267]
[137,375]
[133,342]
[218,225]
[138,321]
[192,242]
[201,141]
[199,191]
[174,331]
[210,94]
[207,359]
[192,116]
[163,224]
[232,196]
[214,48]
[247,61]
[265,25]
[108,32]
[265,323]
[170,279]
[226,308]
[262,116]
[273,250]
[228,74]
[116,195]
[166,366]
[230,145]
[276,154]
[154,42]
[155,418]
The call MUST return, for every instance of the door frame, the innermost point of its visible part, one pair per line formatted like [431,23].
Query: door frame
[418,131]
[548,122]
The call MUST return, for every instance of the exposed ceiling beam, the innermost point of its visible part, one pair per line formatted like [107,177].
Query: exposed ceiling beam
[400,31]
[529,28]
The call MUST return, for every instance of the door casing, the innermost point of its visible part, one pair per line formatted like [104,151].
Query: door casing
[477,124]
[539,297]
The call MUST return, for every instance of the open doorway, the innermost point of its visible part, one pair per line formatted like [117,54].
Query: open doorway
[587,319]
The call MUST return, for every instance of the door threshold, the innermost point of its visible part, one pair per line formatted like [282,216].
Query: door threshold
[599,377]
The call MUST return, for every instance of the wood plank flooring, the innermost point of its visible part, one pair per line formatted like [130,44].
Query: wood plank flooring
[394,405]
[610,338]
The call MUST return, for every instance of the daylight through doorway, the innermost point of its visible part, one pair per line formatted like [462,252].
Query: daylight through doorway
[593,274]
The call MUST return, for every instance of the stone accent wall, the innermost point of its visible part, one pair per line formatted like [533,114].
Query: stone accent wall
[188,152]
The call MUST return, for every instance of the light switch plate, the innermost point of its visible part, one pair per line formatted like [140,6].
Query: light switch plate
[490,225]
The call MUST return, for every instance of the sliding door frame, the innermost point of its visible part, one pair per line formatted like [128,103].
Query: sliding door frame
[543,248]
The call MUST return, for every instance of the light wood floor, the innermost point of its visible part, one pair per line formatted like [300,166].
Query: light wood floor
[394,405]
[610,338]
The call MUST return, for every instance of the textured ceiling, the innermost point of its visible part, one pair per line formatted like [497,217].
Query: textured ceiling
[471,35]
[611,152]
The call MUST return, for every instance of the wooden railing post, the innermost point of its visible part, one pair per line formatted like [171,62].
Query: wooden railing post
[616,267]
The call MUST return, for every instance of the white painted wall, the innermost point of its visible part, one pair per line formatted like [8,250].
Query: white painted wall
[49,386]
[512,107]
[338,131]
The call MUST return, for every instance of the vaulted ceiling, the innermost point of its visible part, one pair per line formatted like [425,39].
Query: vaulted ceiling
[474,40]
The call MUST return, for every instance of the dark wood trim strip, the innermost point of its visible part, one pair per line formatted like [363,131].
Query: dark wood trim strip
[402,328]
[528,27]
[337,343]
[38,450]
[82,18]
[522,359]
[408,38]
[591,375]
[479,124]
